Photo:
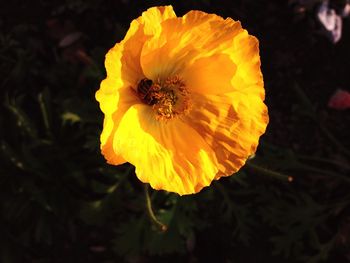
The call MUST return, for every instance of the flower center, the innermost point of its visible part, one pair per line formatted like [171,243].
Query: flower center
[169,98]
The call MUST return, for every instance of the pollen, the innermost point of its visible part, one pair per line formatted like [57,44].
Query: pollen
[173,99]
[169,98]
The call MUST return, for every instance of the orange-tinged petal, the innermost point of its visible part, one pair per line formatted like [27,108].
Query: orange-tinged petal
[130,71]
[194,47]
[162,154]
[153,17]
[210,74]
[246,56]
[123,61]
[231,124]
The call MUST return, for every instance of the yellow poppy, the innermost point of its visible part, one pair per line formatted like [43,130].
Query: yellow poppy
[183,99]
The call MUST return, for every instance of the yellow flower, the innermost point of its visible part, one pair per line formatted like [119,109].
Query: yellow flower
[183,99]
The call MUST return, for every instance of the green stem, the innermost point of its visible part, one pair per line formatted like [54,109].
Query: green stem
[150,212]
[269,172]
[45,114]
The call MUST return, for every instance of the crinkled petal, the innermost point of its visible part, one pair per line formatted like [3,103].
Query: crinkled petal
[123,71]
[198,48]
[123,60]
[130,71]
[153,17]
[140,30]
[245,55]
[162,154]
[125,98]
[231,124]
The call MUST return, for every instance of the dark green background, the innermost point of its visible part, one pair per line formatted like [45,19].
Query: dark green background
[60,201]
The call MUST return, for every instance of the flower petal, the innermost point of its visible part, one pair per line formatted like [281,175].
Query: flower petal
[210,75]
[245,54]
[127,64]
[161,153]
[130,71]
[119,75]
[231,124]
[211,55]
[152,18]
[115,106]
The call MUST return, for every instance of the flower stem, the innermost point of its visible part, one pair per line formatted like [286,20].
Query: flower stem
[269,172]
[150,212]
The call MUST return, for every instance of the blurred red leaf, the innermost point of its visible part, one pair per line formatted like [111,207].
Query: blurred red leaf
[340,100]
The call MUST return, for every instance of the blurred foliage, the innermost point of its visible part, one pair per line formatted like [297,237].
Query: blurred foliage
[61,202]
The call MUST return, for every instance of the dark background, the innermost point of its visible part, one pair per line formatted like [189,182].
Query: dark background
[60,201]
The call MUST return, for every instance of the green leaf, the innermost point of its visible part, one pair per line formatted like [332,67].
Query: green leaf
[70,117]
[129,240]
[44,99]
[22,120]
